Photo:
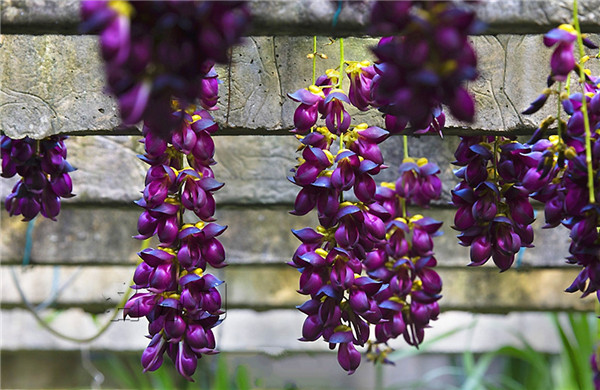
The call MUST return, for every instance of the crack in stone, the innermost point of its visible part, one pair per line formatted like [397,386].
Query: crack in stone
[228,88]
[517,113]
[280,92]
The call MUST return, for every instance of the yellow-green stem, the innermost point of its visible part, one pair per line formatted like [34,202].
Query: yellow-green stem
[586,120]
[495,158]
[405,146]
[341,62]
[403,205]
[340,85]
[558,111]
[314,60]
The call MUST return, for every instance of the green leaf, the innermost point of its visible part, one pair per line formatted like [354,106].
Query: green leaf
[476,372]
[222,375]
[579,372]
[242,378]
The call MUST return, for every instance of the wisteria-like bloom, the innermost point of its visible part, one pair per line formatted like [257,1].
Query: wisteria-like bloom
[344,262]
[494,213]
[361,78]
[424,61]
[558,173]
[307,113]
[418,182]
[182,303]
[411,289]
[562,61]
[44,171]
[158,50]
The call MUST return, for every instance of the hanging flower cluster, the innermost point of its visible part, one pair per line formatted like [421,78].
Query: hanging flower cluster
[159,58]
[330,257]
[158,50]
[182,303]
[423,62]
[349,267]
[404,264]
[563,163]
[494,212]
[44,171]
[564,172]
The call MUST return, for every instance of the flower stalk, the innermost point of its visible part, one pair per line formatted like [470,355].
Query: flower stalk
[584,109]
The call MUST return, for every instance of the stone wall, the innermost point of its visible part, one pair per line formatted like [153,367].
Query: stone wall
[51,82]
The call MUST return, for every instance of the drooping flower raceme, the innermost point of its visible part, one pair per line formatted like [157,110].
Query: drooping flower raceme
[423,61]
[405,265]
[562,61]
[44,171]
[158,50]
[565,177]
[349,290]
[494,212]
[182,303]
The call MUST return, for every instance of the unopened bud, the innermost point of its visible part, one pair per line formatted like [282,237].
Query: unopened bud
[570,153]
[547,122]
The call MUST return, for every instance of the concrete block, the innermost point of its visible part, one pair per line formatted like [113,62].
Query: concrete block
[301,17]
[53,84]
[263,287]
[254,169]
[275,333]
[255,235]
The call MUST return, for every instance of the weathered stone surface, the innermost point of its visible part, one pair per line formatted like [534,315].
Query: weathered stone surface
[265,287]
[53,84]
[252,93]
[41,16]
[102,236]
[253,168]
[108,170]
[301,17]
[80,236]
[478,290]
[536,16]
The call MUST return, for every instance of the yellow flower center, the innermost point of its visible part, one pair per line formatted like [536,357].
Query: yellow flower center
[122,7]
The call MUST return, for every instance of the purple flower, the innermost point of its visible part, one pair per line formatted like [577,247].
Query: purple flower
[44,173]
[182,303]
[562,61]
[307,113]
[425,63]
[159,50]
[361,77]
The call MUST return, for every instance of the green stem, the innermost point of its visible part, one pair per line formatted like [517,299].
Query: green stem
[559,109]
[340,83]
[341,62]
[586,120]
[403,206]
[495,158]
[405,146]
[314,60]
